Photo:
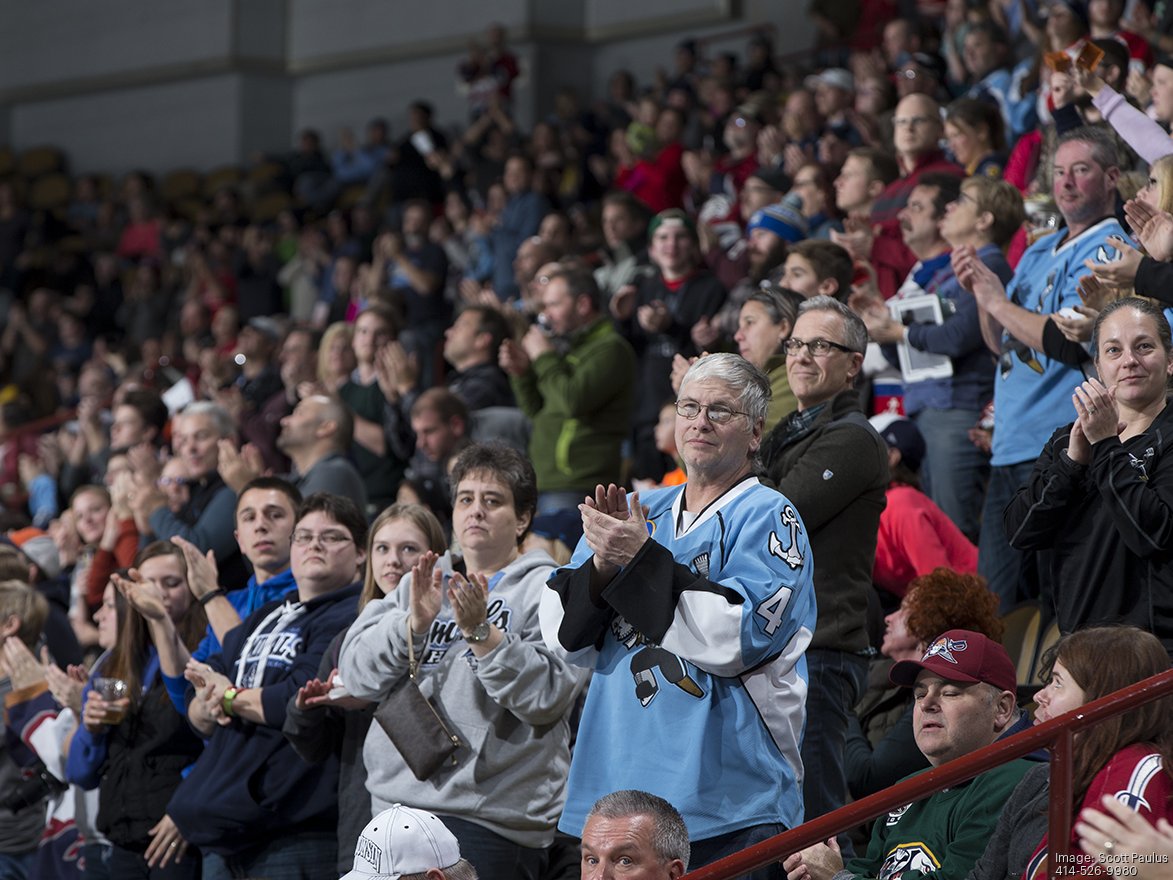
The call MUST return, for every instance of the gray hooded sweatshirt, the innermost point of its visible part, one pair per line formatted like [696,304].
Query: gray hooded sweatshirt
[510,708]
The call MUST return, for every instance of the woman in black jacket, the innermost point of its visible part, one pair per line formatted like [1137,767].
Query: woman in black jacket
[1100,498]
[135,748]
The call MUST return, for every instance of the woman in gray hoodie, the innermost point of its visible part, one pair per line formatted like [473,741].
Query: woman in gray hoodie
[473,621]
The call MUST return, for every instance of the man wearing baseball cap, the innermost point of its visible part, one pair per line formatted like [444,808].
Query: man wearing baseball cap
[834,90]
[964,689]
[402,843]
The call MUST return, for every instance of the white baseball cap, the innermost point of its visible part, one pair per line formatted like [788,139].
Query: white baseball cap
[402,840]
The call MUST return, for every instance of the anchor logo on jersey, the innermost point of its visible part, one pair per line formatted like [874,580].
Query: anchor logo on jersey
[792,556]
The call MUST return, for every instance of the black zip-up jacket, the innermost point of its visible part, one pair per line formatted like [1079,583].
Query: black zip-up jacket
[145,757]
[1110,525]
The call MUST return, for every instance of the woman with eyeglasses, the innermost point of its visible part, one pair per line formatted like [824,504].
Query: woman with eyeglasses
[320,720]
[472,619]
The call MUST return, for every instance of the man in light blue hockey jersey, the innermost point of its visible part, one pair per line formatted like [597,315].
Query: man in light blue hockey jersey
[1038,369]
[694,609]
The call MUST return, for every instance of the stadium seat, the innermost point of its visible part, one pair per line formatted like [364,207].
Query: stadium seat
[37,161]
[49,192]
[1021,638]
[181,184]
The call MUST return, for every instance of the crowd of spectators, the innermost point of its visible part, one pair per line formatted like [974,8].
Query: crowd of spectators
[943,217]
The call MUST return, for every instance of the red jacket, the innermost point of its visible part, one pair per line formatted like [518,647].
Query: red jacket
[916,537]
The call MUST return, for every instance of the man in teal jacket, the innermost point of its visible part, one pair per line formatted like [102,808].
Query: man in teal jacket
[574,378]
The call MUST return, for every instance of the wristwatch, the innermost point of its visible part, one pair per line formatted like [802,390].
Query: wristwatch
[479,633]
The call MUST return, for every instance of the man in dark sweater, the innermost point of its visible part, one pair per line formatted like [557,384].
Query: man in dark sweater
[470,346]
[828,460]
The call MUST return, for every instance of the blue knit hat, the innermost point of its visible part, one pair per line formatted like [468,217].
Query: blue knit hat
[781,219]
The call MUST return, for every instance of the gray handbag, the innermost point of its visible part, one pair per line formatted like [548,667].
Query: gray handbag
[415,728]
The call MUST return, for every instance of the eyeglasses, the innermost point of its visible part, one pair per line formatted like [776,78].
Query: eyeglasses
[817,347]
[164,482]
[329,540]
[911,121]
[718,413]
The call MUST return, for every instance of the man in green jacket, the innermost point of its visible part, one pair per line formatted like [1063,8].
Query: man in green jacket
[574,376]
[964,691]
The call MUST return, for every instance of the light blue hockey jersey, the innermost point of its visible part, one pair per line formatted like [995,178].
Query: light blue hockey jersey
[1032,392]
[699,687]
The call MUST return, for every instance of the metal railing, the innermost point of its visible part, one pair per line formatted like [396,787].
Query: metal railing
[1057,735]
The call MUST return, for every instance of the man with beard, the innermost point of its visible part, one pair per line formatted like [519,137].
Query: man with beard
[729,261]
[770,232]
[984,215]
[917,138]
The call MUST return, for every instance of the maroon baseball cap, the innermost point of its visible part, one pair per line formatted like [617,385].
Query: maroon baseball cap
[960,655]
